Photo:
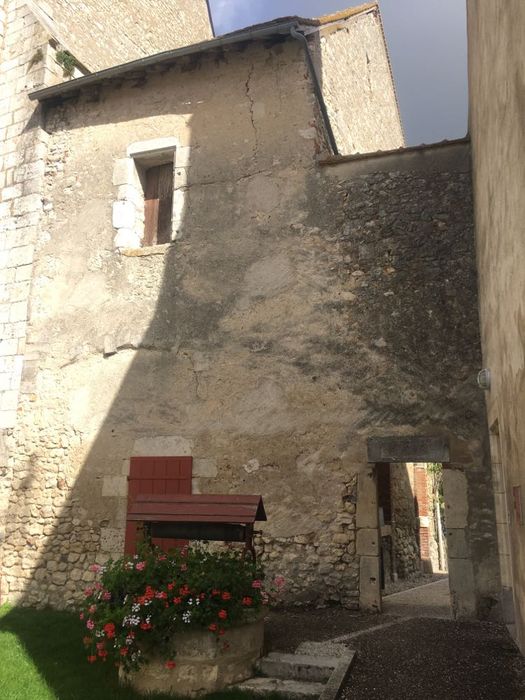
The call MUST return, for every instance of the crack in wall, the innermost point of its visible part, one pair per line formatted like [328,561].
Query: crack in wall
[251,102]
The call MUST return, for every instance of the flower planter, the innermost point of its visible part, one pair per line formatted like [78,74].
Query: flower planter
[204,663]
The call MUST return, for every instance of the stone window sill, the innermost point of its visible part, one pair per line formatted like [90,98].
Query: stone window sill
[146,250]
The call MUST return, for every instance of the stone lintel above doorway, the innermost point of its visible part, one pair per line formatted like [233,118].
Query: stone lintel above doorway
[408,449]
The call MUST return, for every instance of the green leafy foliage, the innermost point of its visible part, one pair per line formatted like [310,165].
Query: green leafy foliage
[67,61]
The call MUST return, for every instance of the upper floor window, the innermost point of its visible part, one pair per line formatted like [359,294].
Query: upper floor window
[151,193]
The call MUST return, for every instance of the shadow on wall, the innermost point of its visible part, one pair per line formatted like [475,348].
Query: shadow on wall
[182,349]
[262,342]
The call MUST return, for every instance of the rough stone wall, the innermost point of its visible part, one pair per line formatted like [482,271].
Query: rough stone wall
[407,248]
[354,68]
[497,78]
[104,33]
[406,550]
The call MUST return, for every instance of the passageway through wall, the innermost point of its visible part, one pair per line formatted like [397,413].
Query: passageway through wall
[422,518]
[412,542]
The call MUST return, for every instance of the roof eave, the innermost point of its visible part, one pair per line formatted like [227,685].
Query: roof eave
[73,86]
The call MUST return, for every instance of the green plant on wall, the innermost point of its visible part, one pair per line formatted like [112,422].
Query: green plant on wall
[67,61]
[435,470]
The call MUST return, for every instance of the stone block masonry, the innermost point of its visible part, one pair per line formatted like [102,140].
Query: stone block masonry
[23,67]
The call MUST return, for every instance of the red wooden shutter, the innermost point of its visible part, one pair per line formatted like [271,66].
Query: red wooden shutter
[162,475]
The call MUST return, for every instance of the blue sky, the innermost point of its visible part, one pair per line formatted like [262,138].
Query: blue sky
[427,44]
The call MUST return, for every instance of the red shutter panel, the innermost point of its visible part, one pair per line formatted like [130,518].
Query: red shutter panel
[161,475]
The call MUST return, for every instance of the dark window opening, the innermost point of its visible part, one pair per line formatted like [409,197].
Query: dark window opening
[158,204]
[384,495]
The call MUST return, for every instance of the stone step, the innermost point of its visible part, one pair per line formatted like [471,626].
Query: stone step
[298,667]
[295,690]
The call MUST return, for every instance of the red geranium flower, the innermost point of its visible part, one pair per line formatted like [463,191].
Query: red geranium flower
[124,651]
[177,601]
[170,664]
[247,600]
[91,659]
[226,595]
[212,627]
[145,626]
[109,629]
[223,614]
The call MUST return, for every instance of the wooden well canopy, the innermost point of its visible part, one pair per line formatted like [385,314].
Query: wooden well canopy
[219,518]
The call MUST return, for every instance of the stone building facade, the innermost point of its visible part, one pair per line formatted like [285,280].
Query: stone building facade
[301,305]
[497,80]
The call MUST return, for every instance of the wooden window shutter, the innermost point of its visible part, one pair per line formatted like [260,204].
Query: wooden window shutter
[158,204]
[162,475]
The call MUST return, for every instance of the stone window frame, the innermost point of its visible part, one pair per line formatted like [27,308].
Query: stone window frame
[128,207]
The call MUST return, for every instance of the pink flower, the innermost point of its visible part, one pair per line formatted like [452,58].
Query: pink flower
[279,581]
[88,592]
[256,584]
[140,566]
[90,624]
[92,609]
[95,568]
[106,595]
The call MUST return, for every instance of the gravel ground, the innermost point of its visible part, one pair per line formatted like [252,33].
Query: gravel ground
[423,659]
[413,659]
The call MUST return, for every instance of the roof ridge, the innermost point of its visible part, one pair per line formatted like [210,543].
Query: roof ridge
[342,14]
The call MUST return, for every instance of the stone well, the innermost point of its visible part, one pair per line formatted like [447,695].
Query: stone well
[204,663]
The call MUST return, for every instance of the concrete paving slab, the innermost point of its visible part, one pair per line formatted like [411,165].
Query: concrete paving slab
[429,600]
[295,690]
